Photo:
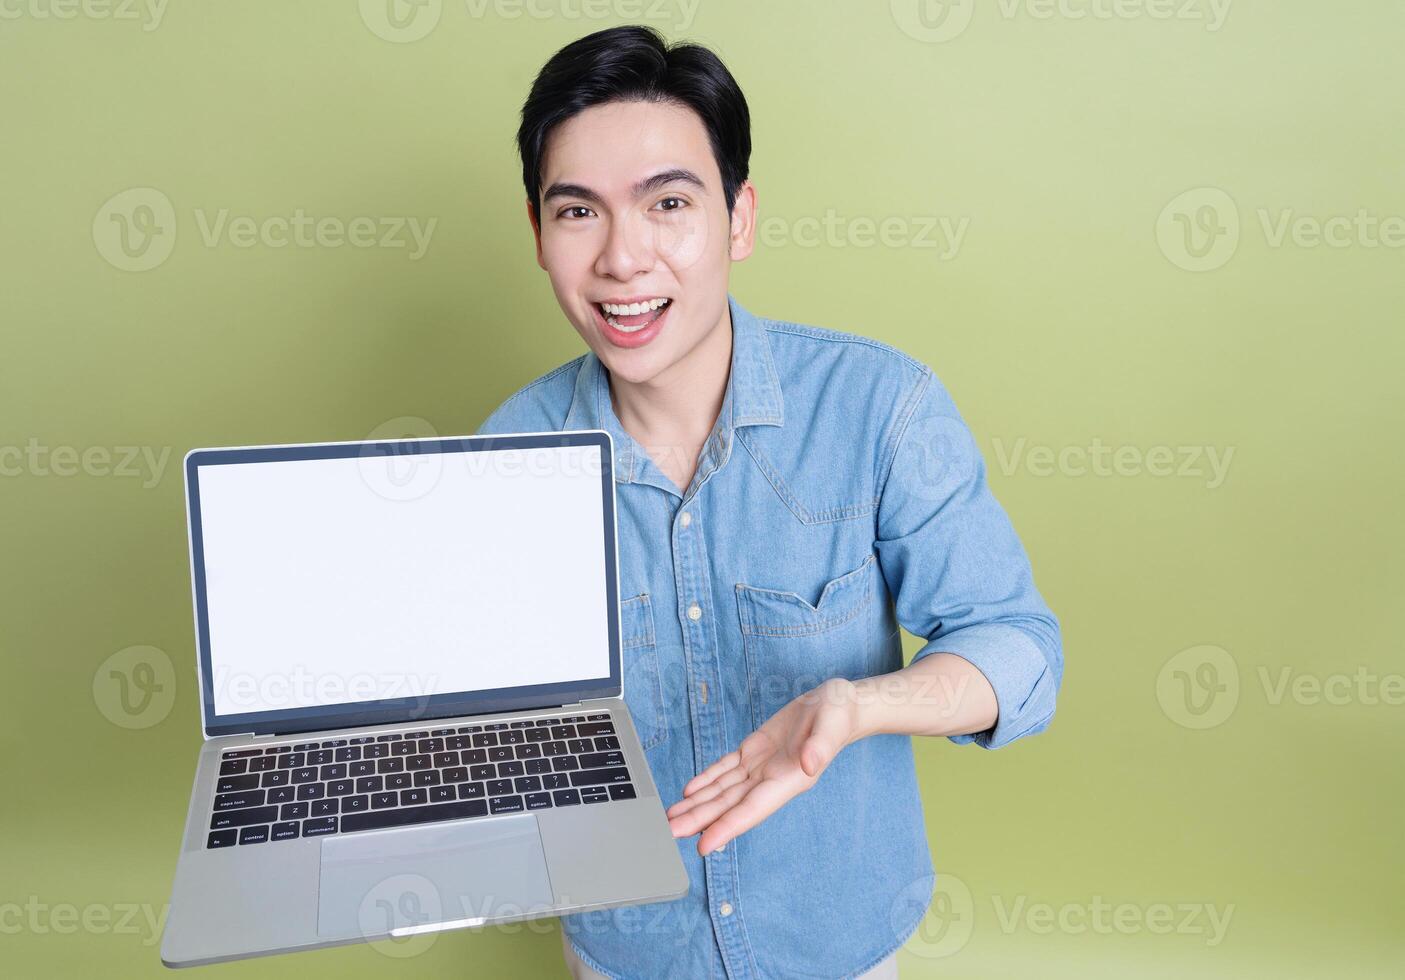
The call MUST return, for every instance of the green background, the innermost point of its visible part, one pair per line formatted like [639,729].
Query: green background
[1059,321]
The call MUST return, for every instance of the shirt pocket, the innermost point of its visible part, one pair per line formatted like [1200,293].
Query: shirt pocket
[792,646]
[642,691]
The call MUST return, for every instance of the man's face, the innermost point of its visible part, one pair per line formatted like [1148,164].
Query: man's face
[635,234]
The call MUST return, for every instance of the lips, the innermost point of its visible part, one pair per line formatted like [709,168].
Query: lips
[632,322]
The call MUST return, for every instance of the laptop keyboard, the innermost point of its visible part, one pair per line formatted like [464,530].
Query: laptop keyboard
[373,782]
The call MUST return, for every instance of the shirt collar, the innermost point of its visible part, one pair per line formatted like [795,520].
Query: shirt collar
[753,397]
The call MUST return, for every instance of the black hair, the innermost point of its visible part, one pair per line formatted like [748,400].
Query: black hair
[636,64]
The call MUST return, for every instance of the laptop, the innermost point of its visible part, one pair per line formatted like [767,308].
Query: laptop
[411,696]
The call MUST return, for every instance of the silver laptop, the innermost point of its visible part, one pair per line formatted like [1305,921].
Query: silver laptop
[410,671]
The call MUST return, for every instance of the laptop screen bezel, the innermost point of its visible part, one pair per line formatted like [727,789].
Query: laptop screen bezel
[410,709]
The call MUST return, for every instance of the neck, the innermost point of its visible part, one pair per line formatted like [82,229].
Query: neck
[682,403]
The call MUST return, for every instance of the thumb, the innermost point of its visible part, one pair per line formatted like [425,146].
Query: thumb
[826,738]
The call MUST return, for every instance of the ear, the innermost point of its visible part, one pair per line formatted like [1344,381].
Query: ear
[743,233]
[536,231]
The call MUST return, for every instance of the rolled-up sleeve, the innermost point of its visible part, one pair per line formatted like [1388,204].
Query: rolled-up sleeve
[956,569]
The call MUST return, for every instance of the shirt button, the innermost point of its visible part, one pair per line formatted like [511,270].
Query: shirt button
[725,908]
[685,519]
[694,613]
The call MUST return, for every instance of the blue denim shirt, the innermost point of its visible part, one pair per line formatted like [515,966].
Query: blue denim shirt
[838,496]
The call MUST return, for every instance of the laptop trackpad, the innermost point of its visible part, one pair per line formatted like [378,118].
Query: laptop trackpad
[454,874]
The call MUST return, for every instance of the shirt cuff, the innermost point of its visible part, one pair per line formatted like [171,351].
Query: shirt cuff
[1018,672]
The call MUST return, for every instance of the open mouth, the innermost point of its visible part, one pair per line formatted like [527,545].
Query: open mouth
[634,317]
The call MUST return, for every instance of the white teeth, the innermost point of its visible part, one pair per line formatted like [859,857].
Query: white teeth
[634,309]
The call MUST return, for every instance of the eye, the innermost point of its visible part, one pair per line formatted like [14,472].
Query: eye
[575,211]
[671,204]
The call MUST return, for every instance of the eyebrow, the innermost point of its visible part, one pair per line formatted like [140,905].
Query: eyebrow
[663,178]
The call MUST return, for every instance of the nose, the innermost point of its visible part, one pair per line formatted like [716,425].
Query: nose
[626,252]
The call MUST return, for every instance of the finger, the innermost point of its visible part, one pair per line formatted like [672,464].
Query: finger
[827,737]
[702,815]
[728,761]
[765,798]
[729,778]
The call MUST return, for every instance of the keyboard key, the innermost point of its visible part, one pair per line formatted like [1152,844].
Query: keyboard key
[279,777]
[564,762]
[431,745]
[413,797]
[311,791]
[535,767]
[473,757]
[522,724]
[416,762]
[527,784]
[440,731]
[235,784]
[282,794]
[532,751]
[605,742]
[566,797]
[499,787]
[506,804]
[538,735]
[427,778]
[386,738]
[237,801]
[363,768]
[512,738]
[293,811]
[399,780]
[405,816]
[403,748]
[362,740]
[596,728]
[222,838]
[354,804]
[254,835]
[556,780]
[443,760]
[485,771]
[579,745]
[622,791]
[263,763]
[244,818]
[304,775]
[471,791]
[316,828]
[457,742]
[457,774]
[563,731]
[319,758]
[547,722]
[305,747]
[498,727]
[590,777]
[334,743]
[538,801]
[470,729]
[377,751]
[352,753]
[500,753]
[485,740]
[390,765]
[597,717]
[380,801]
[598,796]
[598,760]
[234,767]
[241,754]
[554,748]
[340,787]
[370,784]
[334,771]
[442,794]
[326,808]
[285,831]
[513,768]
[416,735]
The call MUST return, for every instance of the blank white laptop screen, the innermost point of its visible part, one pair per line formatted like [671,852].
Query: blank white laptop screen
[335,581]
